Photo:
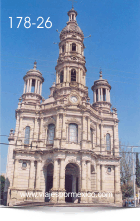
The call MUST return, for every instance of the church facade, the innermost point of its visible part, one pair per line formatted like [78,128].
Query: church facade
[64,144]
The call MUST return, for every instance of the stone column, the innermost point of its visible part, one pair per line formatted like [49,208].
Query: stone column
[57,126]
[64,128]
[97,134]
[24,90]
[57,78]
[79,76]
[54,190]
[66,47]
[64,74]
[40,88]
[101,139]
[20,126]
[103,177]
[84,186]
[74,188]
[94,96]
[30,85]
[35,128]
[114,138]
[101,94]
[117,193]
[35,86]
[106,95]
[38,174]
[68,74]
[84,80]
[61,198]
[15,178]
[89,181]
[55,175]
[99,98]
[41,127]
[89,138]
[27,85]
[62,174]
[98,178]
[88,175]
[31,177]
[117,179]
[84,132]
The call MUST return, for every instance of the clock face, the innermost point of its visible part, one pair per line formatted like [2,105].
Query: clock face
[74,99]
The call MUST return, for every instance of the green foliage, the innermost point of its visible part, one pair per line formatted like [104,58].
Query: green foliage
[2,183]
[125,166]
[127,191]
[137,170]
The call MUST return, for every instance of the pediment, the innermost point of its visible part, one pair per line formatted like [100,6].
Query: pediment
[50,120]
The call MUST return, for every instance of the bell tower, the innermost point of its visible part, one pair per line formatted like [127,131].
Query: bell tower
[70,68]
[101,90]
[33,85]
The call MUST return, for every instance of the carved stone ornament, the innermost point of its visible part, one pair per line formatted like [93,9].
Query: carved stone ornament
[74,58]
[92,125]
[50,120]
[73,120]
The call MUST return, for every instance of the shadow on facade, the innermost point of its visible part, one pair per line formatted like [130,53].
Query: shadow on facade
[71,182]
[48,173]
[5,193]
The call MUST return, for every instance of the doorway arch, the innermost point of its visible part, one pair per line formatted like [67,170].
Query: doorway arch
[71,182]
[49,180]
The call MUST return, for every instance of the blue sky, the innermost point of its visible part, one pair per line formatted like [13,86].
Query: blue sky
[114,46]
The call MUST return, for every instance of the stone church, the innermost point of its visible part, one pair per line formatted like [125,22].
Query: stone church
[64,144]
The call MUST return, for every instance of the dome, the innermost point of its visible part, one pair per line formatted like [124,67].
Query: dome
[34,73]
[72,27]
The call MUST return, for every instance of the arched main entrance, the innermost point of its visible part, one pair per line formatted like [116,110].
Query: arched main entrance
[49,179]
[71,182]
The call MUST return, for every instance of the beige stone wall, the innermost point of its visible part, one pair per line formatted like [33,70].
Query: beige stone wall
[109,179]
[23,175]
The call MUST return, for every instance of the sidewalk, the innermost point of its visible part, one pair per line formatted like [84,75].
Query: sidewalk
[34,204]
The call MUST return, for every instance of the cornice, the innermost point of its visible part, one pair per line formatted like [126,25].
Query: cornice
[73,151]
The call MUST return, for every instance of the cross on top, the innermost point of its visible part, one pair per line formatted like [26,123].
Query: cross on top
[73,1]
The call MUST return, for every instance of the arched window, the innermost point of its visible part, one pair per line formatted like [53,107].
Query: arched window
[51,129]
[27,135]
[108,142]
[73,47]
[73,75]
[63,48]
[61,77]
[73,133]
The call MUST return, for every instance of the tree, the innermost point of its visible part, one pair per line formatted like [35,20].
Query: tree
[137,170]
[2,183]
[126,172]
[126,165]
[127,190]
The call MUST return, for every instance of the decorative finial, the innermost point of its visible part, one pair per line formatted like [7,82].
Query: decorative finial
[35,63]
[20,99]
[73,1]
[100,73]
